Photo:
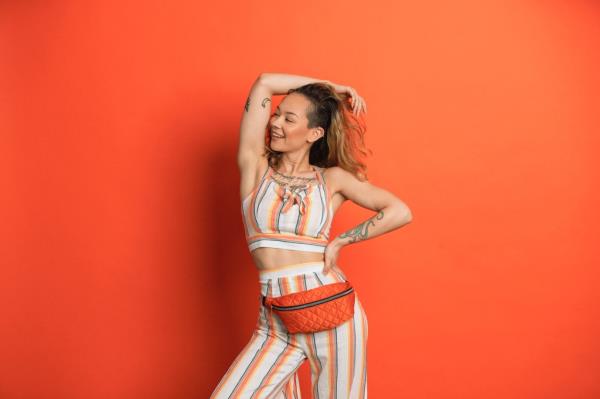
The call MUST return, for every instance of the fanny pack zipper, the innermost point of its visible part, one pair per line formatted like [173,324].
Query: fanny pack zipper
[313,303]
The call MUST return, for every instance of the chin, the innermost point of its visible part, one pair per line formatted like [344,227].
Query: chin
[274,147]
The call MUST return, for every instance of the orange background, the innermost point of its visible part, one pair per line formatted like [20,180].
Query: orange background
[125,273]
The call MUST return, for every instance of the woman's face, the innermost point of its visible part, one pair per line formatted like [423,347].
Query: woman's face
[288,124]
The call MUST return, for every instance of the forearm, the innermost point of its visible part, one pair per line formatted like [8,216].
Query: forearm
[388,219]
[280,83]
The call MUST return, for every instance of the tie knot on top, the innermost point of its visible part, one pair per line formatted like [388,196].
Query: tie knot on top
[292,195]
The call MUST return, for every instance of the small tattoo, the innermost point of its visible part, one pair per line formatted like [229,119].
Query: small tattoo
[247,106]
[361,232]
[265,101]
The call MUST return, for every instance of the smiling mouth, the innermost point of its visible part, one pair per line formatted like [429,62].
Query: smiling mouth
[278,136]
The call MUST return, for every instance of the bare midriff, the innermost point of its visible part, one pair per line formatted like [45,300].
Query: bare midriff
[266,258]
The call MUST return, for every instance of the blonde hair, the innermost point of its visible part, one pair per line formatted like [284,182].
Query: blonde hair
[343,143]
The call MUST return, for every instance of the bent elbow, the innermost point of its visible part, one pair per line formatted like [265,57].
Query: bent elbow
[406,214]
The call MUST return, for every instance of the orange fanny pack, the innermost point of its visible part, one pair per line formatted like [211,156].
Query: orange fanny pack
[316,309]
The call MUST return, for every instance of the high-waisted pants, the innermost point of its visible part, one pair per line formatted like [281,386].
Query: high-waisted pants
[266,368]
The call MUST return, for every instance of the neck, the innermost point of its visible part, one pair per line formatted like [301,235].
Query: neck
[293,167]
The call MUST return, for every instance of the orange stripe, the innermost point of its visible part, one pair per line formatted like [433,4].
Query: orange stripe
[273,213]
[307,210]
[287,236]
[288,388]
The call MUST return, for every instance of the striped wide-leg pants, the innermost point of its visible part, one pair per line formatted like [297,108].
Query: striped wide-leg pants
[266,368]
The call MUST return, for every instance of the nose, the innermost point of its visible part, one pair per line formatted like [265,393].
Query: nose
[273,121]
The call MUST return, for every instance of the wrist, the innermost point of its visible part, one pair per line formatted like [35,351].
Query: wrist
[340,242]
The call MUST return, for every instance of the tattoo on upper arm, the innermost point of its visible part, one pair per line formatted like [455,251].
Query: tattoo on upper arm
[263,103]
[361,232]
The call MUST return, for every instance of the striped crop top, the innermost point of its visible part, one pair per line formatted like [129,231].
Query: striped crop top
[277,216]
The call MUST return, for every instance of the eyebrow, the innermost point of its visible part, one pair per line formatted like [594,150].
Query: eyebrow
[288,112]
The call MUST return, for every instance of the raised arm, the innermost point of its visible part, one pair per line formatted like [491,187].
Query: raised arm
[258,110]
[255,118]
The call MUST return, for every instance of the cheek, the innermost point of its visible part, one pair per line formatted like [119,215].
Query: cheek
[295,133]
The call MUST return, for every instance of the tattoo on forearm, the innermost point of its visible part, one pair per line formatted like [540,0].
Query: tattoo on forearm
[247,106]
[265,101]
[361,232]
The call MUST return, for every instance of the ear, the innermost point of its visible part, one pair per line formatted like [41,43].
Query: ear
[316,134]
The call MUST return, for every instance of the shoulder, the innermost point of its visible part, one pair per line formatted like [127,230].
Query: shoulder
[335,177]
[337,173]
[332,172]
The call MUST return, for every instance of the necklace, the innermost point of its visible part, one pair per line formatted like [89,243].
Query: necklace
[295,183]
[295,177]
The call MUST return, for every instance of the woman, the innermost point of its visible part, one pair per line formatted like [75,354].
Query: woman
[290,190]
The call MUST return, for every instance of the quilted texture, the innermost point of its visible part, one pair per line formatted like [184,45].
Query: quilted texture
[317,317]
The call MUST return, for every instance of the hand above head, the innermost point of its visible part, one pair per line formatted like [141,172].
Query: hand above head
[357,102]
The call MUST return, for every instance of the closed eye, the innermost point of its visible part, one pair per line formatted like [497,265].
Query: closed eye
[289,120]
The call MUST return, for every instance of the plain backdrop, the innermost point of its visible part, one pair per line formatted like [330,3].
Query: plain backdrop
[124,269]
